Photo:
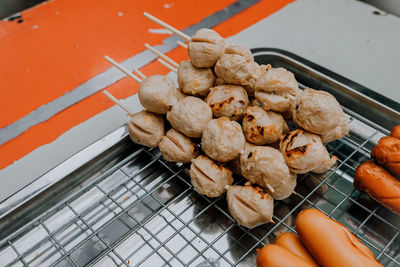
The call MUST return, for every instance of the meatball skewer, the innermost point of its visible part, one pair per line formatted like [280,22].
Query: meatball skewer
[191,80]
[145,128]
[205,47]
[157,93]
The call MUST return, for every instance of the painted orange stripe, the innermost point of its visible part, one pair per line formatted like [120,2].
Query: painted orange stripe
[82,111]
[60,44]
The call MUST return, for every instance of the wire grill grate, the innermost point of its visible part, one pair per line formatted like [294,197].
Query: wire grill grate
[143,211]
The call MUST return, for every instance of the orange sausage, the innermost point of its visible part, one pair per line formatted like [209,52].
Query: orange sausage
[292,243]
[379,184]
[330,243]
[395,132]
[387,154]
[277,256]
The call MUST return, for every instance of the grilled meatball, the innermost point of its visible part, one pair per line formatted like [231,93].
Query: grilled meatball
[237,69]
[228,101]
[146,128]
[223,139]
[190,116]
[262,127]
[205,48]
[209,177]
[195,81]
[158,94]
[240,50]
[176,147]
[251,206]
[319,112]
[304,151]
[277,89]
[266,167]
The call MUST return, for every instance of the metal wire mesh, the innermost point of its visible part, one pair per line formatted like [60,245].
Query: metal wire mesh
[144,212]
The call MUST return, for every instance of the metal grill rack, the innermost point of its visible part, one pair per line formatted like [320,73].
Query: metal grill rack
[143,211]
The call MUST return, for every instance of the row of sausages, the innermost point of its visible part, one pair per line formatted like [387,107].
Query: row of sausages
[379,178]
[321,241]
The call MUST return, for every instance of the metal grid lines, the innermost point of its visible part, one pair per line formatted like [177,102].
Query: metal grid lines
[144,212]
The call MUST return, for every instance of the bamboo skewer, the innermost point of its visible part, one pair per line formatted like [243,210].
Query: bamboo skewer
[158,53]
[116,101]
[167,65]
[182,44]
[124,70]
[169,27]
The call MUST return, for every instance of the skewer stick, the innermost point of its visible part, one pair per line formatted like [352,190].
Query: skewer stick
[167,26]
[270,188]
[110,96]
[182,44]
[167,65]
[121,68]
[140,73]
[161,55]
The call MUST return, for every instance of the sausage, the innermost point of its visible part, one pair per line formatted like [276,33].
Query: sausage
[379,184]
[395,132]
[292,243]
[387,154]
[331,243]
[277,256]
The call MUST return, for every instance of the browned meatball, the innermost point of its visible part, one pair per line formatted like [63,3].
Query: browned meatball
[209,177]
[262,127]
[304,151]
[228,101]
[146,128]
[266,167]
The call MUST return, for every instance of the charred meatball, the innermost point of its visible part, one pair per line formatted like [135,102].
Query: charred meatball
[266,167]
[262,127]
[304,151]
[228,101]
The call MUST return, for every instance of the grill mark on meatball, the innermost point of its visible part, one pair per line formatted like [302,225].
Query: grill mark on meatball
[202,173]
[223,104]
[140,129]
[250,154]
[297,150]
[261,191]
[285,136]
[249,116]
[241,102]
[244,203]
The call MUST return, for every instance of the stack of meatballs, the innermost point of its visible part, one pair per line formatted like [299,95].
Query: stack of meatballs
[229,115]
